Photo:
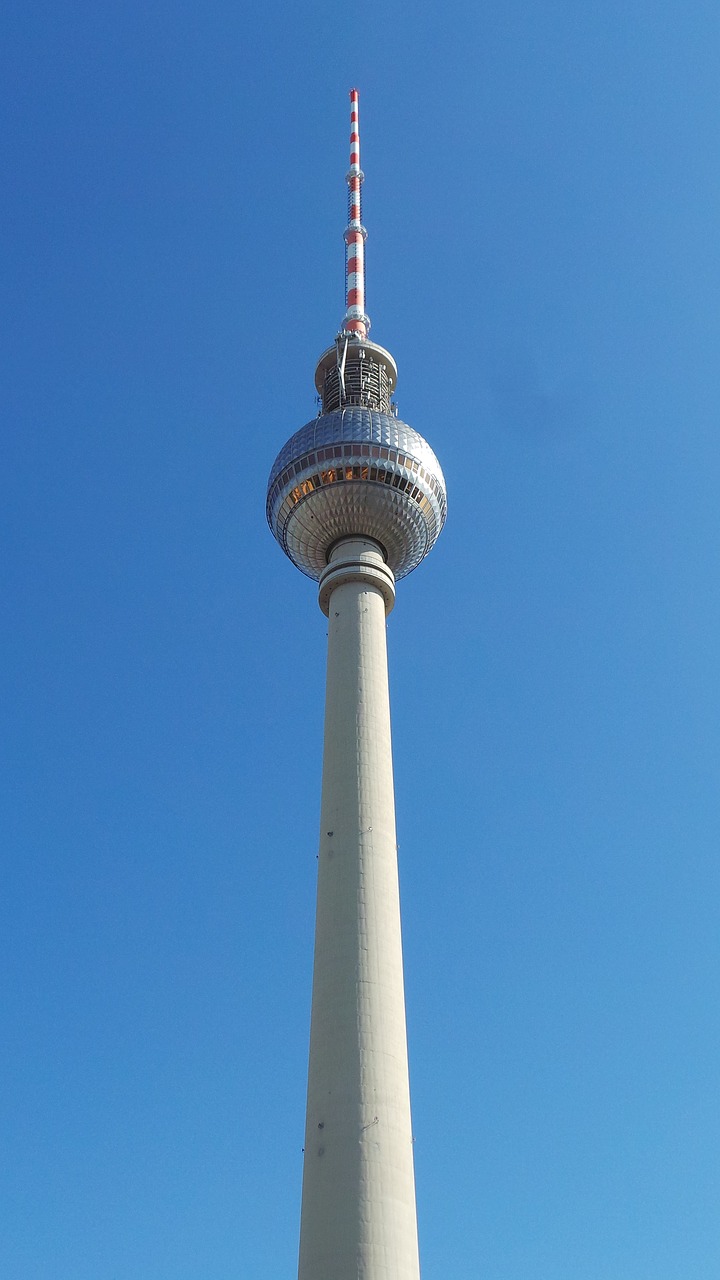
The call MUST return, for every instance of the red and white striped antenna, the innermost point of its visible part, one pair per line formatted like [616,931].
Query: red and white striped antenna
[354,370]
[356,321]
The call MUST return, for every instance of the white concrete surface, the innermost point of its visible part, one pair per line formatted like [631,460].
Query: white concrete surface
[358,1217]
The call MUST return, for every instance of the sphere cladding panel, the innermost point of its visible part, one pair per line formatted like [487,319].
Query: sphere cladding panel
[356,471]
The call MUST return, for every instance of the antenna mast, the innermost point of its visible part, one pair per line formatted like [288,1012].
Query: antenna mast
[356,321]
[355,371]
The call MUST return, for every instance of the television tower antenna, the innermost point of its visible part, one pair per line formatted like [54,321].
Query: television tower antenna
[356,321]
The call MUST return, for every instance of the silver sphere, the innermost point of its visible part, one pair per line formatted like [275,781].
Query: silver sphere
[356,472]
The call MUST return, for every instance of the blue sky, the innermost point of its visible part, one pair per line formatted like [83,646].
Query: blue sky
[543,260]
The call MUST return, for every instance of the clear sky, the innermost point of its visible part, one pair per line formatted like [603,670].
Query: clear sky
[542,199]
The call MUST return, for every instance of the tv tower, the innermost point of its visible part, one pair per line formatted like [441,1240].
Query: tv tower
[356,498]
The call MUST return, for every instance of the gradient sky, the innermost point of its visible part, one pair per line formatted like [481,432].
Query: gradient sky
[542,198]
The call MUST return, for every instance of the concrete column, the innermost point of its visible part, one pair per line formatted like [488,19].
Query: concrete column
[358,1207]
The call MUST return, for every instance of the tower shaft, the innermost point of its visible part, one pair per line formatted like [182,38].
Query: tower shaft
[358,1217]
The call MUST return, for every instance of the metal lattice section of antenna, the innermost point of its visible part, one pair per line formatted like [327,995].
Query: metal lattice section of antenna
[356,321]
